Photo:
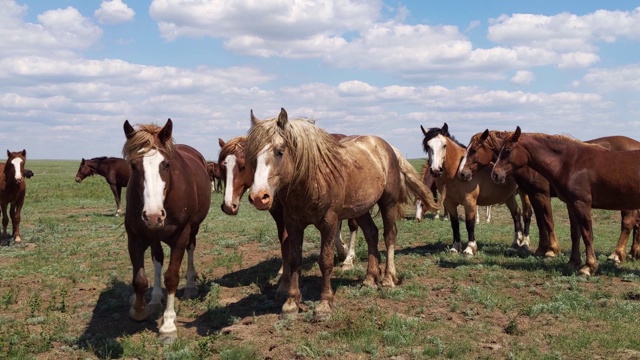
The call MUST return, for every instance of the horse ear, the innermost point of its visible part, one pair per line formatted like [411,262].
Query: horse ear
[484,135]
[254,120]
[445,129]
[283,118]
[516,134]
[128,129]
[24,152]
[165,134]
[423,130]
[221,142]
[8,153]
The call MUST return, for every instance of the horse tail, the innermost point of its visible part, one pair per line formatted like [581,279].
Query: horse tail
[413,185]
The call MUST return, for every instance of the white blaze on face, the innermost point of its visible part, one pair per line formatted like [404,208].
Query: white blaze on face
[438,151]
[153,185]
[261,175]
[230,163]
[464,160]
[16,166]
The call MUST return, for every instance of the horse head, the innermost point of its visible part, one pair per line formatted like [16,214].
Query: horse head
[435,145]
[235,173]
[478,155]
[511,157]
[148,151]
[15,165]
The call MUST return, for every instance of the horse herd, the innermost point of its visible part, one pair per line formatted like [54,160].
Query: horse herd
[305,176]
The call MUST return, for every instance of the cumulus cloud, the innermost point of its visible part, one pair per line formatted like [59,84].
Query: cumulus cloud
[522,77]
[114,11]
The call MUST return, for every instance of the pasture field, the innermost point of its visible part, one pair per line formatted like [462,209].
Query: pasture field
[64,292]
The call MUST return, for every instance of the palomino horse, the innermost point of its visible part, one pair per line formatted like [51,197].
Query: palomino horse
[168,196]
[237,177]
[13,188]
[319,181]
[446,153]
[215,175]
[430,182]
[115,170]
[585,176]
[483,149]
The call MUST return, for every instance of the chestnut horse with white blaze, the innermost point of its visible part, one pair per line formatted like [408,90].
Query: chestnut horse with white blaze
[13,188]
[318,181]
[585,176]
[168,196]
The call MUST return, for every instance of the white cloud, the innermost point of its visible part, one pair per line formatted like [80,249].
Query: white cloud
[522,77]
[114,11]
[618,79]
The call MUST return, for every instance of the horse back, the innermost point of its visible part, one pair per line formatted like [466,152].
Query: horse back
[616,143]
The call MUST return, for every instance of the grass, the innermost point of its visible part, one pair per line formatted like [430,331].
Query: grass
[64,292]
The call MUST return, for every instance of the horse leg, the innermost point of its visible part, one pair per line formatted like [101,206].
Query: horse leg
[351,253]
[452,210]
[419,211]
[390,232]
[15,220]
[488,214]
[527,213]
[118,196]
[157,257]
[293,242]
[285,271]
[191,287]
[168,331]
[137,247]
[370,232]
[627,223]
[5,223]
[328,230]
[516,216]
[470,217]
[342,253]
[477,216]
[115,195]
[548,245]
[575,259]
[635,247]
[583,211]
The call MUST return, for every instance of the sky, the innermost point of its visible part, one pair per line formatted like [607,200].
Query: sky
[71,72]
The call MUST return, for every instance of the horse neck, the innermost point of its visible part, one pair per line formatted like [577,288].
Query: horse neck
[495,141]
[546,156]
[453,156]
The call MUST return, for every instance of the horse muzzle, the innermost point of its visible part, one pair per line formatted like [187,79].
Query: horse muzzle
[78,179]
[262,200]
[154,220]
[498,178]
[229,209]
[465,175]
[436,172]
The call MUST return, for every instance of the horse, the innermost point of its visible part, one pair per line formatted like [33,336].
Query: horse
[13,188]
[237,177]
[483,148]
[446,153]
[168,196]
[214,175]
[585,176]
[318,181]
[430,182]
[115,170]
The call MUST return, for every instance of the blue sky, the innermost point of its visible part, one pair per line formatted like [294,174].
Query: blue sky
[71,72]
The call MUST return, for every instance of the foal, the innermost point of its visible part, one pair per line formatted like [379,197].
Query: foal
[13,188]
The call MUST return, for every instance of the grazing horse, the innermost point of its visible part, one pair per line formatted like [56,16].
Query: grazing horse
[585,176]
[483,149]
[237,177]
[446,154]
[13,188]
[168,196]
[318,181]
[215,175]
[115,170]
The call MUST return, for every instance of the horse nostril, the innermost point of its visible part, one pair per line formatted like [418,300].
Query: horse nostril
[250,199]
[163,214]
[234,207]
[265,197]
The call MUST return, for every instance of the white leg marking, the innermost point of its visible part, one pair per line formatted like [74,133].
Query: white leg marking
[169,316]
[16,166]
[471,248]
[153,185]
[488,214]
[351,253]
[156,293]
[418,209]
[477,215]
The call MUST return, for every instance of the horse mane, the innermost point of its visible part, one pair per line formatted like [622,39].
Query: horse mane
[315,154]
[232,146]
[435,131]
[144,140]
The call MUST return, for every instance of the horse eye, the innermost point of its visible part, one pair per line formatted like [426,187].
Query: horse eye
[279,152]
[164,165]
[241,168]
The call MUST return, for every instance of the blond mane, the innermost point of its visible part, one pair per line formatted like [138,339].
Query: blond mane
[144,140]
[315,154]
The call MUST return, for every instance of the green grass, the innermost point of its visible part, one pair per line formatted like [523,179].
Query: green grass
[64,292]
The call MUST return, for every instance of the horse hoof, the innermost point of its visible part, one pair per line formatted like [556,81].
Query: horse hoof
[550,254]
[468,252]
[18,240]
[168,338]
[190,293]
[585,271]
[322,313]
[289,310]
[346,266]
[615,258]
[369,281]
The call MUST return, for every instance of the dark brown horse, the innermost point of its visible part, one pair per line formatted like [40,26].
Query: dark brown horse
[168,196]
[115,170]
[445,154]
[585,176]
[319,181]
[483,149]
[237,177]
[13,188]
[215,175]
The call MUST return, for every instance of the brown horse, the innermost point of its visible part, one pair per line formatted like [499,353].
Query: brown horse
[115,170]
[237,177]
[483,149]
[585,176]
[319,181]
[168,196]
[446,154]
[13,188]
[215,175]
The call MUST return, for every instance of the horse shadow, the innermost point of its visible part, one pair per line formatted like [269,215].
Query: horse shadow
[110,321]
